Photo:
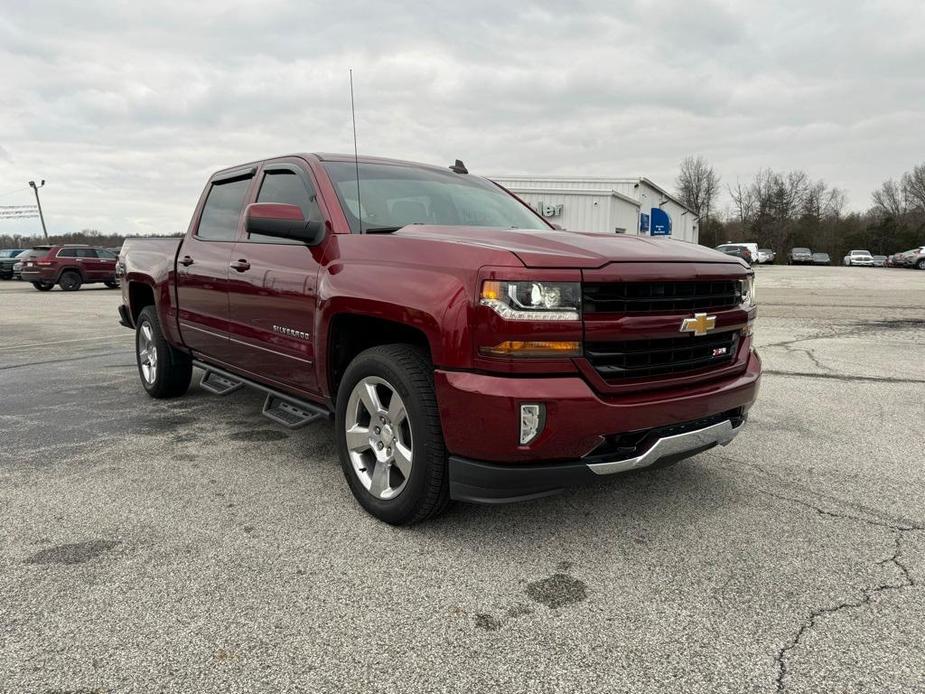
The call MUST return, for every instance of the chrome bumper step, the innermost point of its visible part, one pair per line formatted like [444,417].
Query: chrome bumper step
[679,445]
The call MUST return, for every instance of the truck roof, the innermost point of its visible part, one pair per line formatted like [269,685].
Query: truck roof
[329,156]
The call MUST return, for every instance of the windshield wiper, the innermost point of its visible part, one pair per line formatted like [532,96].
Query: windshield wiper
[389,230]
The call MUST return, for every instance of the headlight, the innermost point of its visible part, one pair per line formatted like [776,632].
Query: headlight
[748,291]
[537,301]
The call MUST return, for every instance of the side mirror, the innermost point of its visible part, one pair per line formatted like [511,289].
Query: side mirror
[282,221]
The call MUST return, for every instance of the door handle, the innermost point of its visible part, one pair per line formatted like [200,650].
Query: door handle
[240,265]
[186,261]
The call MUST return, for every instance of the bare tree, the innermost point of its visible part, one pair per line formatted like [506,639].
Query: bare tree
[821,202]
[890,199]
[914,187]
[698,185]
[743,200]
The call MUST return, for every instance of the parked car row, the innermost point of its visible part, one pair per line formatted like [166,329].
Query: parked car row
[70,266]
[914,258]
[8,258]
[749,252]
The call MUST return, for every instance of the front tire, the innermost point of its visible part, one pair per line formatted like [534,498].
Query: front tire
[389,437]
[42,286]
[70,281]
[165,372]
[112,284]
[921,264]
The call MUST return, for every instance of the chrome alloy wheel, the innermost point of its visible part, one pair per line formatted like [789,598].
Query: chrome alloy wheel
[147,353]
[378,437]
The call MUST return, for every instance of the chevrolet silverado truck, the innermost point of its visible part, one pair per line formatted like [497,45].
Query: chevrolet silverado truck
[465,348]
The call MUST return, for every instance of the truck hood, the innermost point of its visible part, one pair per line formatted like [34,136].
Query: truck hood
[571,249]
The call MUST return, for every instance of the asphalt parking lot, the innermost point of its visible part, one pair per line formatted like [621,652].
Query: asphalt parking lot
[193,546]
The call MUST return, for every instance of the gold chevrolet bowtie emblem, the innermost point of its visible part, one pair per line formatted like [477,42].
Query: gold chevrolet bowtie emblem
[700,324]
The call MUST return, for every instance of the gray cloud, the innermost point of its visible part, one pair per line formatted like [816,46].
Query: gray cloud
[126,108]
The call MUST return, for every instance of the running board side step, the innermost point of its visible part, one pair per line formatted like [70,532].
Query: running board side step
[286,410]
[292,414]
[219,383]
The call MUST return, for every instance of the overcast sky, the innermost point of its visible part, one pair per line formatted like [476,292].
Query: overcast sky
[125,108]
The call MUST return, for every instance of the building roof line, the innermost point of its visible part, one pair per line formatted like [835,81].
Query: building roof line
[635,180]
[574,191]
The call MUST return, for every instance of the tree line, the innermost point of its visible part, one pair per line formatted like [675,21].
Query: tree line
[788,209]
[90,237]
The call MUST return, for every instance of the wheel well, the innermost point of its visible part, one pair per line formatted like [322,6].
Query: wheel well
[139,296]
[70,268]
[351,334]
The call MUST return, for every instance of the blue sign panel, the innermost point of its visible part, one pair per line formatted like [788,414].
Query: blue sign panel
[661,222]
[643,222]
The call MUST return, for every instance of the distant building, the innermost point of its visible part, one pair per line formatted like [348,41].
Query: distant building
[606,205]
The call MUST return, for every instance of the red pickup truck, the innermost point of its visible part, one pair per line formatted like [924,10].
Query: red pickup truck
[466,349]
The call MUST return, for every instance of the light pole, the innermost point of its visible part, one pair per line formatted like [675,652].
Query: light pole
[39,204]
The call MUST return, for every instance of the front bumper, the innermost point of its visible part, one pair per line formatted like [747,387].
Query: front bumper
[490,483]
[480,413]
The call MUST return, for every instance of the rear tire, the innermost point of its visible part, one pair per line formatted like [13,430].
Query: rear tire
[395,461]
[165,372]
[42,286]
[921,264]
[70,281]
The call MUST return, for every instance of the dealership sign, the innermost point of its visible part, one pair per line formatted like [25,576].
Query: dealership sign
[661,222]
[547,210]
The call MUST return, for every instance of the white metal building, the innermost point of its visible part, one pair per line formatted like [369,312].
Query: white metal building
[606,205]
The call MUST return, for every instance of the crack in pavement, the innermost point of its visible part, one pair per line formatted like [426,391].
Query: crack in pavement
[841,377]
[902,527]
[899,527]
[886,520]
[867,595]
[809,353]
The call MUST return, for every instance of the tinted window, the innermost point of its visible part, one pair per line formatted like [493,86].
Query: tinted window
[222,210]
[67,253]
[102,253]
[289,188]
[34,253]
[86,253]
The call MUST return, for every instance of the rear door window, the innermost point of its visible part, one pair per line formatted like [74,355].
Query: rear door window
[220,215]
[68,253]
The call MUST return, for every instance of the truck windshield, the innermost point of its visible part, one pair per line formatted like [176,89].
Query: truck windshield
[394,195]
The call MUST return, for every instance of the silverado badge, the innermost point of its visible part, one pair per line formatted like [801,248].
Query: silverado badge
[700,324]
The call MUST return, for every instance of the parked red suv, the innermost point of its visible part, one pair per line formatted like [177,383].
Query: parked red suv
[69,266]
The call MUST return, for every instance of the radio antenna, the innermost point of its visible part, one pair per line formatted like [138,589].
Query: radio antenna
[356,157]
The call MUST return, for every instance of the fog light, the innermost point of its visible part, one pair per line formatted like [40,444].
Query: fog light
[532,421]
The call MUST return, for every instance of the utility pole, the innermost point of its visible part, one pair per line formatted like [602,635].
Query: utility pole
[39,204]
